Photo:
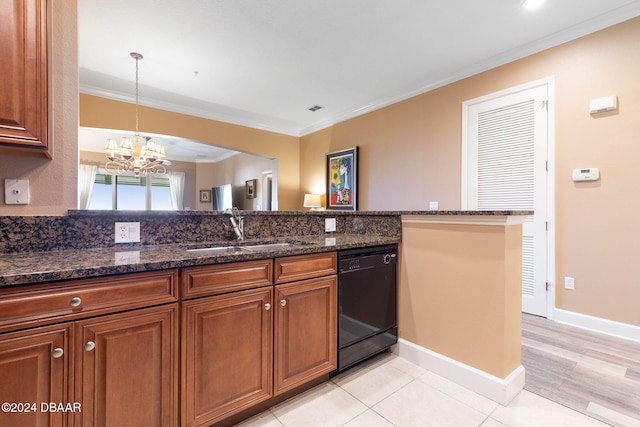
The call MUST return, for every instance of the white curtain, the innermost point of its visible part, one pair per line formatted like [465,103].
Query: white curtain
[86,178]
[176,187]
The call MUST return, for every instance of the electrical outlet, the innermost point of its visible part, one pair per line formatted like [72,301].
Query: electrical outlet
[569,283]
[329,225]
[433,206]
[127,232]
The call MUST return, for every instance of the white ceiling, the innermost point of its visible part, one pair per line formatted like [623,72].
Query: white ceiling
[263,63]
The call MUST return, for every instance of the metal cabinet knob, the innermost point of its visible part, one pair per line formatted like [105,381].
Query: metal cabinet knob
[75,302]
[57,353]
[89,346]
[267,307]
[283,302]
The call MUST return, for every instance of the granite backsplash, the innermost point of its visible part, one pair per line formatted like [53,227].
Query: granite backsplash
[94,229]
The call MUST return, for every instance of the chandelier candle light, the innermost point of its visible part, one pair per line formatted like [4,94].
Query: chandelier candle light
[132,156]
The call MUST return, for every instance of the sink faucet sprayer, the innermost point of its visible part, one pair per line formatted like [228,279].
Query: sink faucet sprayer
[237,221]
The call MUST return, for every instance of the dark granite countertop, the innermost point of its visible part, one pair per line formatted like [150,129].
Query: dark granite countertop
[56,265]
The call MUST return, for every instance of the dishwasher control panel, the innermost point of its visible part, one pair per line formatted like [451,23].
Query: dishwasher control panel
[366,260]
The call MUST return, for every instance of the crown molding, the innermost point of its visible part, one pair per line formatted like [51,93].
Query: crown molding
[614,17]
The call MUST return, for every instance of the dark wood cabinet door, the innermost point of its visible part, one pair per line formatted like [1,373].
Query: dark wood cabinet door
[226,355]
[23,67]
[127,368]
[35,369]
[305,341]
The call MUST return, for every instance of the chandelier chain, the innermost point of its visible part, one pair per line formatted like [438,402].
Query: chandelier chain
[137,60]
[130,156]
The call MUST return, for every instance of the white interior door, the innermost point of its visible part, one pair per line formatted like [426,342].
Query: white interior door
[505,143]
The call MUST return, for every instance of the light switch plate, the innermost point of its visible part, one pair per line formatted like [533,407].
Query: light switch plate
[329,225]
[569,283]
[16,191]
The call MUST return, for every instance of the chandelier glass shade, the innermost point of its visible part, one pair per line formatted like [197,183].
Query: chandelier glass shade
[137,154]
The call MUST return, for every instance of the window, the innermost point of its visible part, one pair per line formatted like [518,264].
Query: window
[128,192]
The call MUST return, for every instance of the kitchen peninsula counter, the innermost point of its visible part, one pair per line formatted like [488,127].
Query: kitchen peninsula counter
[48,249]
[459,271]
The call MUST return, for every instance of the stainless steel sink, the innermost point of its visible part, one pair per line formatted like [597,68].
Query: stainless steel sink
[266,246]
[238,248]
[217,250]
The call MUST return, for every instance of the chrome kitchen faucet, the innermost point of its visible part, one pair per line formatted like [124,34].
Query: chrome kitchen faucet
[237,221]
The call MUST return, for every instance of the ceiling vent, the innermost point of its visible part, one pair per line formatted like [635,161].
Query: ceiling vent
[315,108]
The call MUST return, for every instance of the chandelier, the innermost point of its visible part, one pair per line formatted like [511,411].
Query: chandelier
[137,154]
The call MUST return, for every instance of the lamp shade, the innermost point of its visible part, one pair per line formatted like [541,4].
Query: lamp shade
[312,201]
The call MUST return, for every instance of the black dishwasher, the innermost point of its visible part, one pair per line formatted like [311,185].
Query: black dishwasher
[367,322]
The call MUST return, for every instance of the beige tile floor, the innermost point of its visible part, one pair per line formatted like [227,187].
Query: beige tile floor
[390,391]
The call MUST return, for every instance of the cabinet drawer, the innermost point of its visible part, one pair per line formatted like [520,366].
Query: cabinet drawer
[28,306]
[301,267]
[223,278]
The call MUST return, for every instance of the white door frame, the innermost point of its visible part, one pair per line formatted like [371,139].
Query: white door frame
[550,83]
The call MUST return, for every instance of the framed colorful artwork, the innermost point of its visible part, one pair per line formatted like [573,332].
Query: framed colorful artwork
[342,180]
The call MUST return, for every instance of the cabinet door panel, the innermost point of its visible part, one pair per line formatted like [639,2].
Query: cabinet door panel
[305,343]
[129,377]
[31,375]
[23,104]
[226,355]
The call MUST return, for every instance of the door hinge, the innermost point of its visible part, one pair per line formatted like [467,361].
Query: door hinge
[546,285]
[545,105]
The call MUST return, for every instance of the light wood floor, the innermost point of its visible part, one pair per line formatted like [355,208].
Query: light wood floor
[593,373]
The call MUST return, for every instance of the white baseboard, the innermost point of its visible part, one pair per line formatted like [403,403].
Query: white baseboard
[497,389]
[597,324]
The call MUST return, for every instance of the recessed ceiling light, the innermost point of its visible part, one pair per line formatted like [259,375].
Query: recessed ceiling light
[532,4]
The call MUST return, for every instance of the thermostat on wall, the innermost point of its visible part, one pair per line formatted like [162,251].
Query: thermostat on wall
[590,174]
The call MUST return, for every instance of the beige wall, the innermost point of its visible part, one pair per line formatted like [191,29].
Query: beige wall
[53,183]
[109,114]
[462,281]
[235,171]
[410,154]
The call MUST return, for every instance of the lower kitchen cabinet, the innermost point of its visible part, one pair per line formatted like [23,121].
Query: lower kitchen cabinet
[35,368]
[92,352]
[305,343]
[127,368]
[227,354]
[124,350]
[243,348]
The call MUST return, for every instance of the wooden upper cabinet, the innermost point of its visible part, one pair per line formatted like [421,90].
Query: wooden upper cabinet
[23,71]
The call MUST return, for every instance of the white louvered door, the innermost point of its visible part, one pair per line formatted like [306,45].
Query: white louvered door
[504,168]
